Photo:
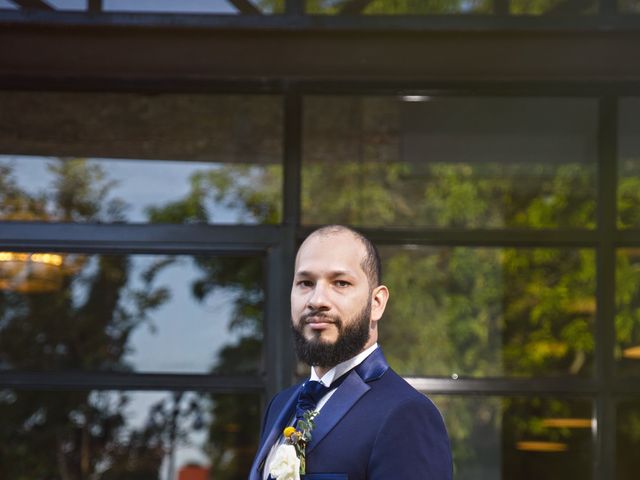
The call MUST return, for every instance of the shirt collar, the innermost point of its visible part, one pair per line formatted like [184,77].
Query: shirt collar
[342,368]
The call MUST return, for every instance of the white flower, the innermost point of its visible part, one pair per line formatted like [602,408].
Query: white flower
[286,464]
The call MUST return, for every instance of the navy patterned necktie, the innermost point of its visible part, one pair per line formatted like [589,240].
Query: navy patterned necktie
[311,393]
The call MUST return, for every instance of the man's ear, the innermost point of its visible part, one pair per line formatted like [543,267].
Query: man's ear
[379,298]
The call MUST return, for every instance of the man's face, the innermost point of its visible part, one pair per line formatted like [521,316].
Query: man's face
[331,300]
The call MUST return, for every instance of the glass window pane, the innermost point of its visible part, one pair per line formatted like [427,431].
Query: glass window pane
[195,6]
[61,311]
[87,157]
[628,439]
[629,6]
[518,437]
[627,351]
[476,312]
[397,7]
[440,7]
[553,7]
[127,435]
[629,164]
[449,162]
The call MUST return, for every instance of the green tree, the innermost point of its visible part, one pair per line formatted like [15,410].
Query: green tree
[254,193]
[77,314]
[451,310]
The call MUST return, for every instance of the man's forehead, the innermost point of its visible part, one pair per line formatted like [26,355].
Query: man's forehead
[341,250]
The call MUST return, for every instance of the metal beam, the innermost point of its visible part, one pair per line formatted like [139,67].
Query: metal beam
[497,237]
[157,54]
[505,386]
[295,20]
[138,238]
[605,335]
[95,6]
[127,381]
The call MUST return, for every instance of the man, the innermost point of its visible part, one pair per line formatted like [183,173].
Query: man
[373,425]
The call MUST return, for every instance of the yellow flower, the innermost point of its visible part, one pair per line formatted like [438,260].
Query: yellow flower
[288,432]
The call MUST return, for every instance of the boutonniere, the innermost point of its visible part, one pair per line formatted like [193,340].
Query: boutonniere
[289,461]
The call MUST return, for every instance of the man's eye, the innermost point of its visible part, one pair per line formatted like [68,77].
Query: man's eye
[342,283]
[305,283]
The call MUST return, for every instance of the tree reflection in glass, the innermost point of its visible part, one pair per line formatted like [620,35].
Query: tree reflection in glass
[627,439]
[486,163]
[66,312]
[439,7]
[627,350]
[519,437]
[489,312]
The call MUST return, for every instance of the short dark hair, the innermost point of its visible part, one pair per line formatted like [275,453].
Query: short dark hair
[371,263]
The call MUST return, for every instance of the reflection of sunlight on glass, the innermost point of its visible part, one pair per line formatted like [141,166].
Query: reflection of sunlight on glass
[36,272]
[632,353]
[534,446]
[567,422]
[415,98]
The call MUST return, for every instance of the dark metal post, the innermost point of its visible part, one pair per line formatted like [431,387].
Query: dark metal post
[604,438]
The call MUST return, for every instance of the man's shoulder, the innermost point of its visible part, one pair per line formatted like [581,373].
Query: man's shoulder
[394,390]
[392,381]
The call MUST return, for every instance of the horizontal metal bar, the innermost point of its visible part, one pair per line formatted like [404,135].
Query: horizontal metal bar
[132,84]
[227,384]
[54,53]
[526,386]
[624,386]
[628,237]
[355,87]
[405,23]
[489,238]
[227,239]
[125,381]
[471,88]
[218,239]
[500,386]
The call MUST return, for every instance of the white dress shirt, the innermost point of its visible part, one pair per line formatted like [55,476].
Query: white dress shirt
[326,380]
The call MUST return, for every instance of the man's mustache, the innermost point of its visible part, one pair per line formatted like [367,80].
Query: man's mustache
[315,314]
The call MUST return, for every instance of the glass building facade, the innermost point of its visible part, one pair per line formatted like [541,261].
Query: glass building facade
[161,161]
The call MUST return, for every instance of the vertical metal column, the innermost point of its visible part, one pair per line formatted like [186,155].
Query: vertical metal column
[280,356]
[605,408]
[294,7]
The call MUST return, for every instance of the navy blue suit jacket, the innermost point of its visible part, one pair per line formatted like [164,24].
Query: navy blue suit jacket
[375,427]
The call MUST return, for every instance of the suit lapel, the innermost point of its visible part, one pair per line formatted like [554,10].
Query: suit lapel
[338,405]
[346,396]
[276,429]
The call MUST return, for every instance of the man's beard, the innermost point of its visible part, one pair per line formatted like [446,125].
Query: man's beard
[351,339]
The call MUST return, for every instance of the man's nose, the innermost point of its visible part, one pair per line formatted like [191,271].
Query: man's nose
[319,299]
